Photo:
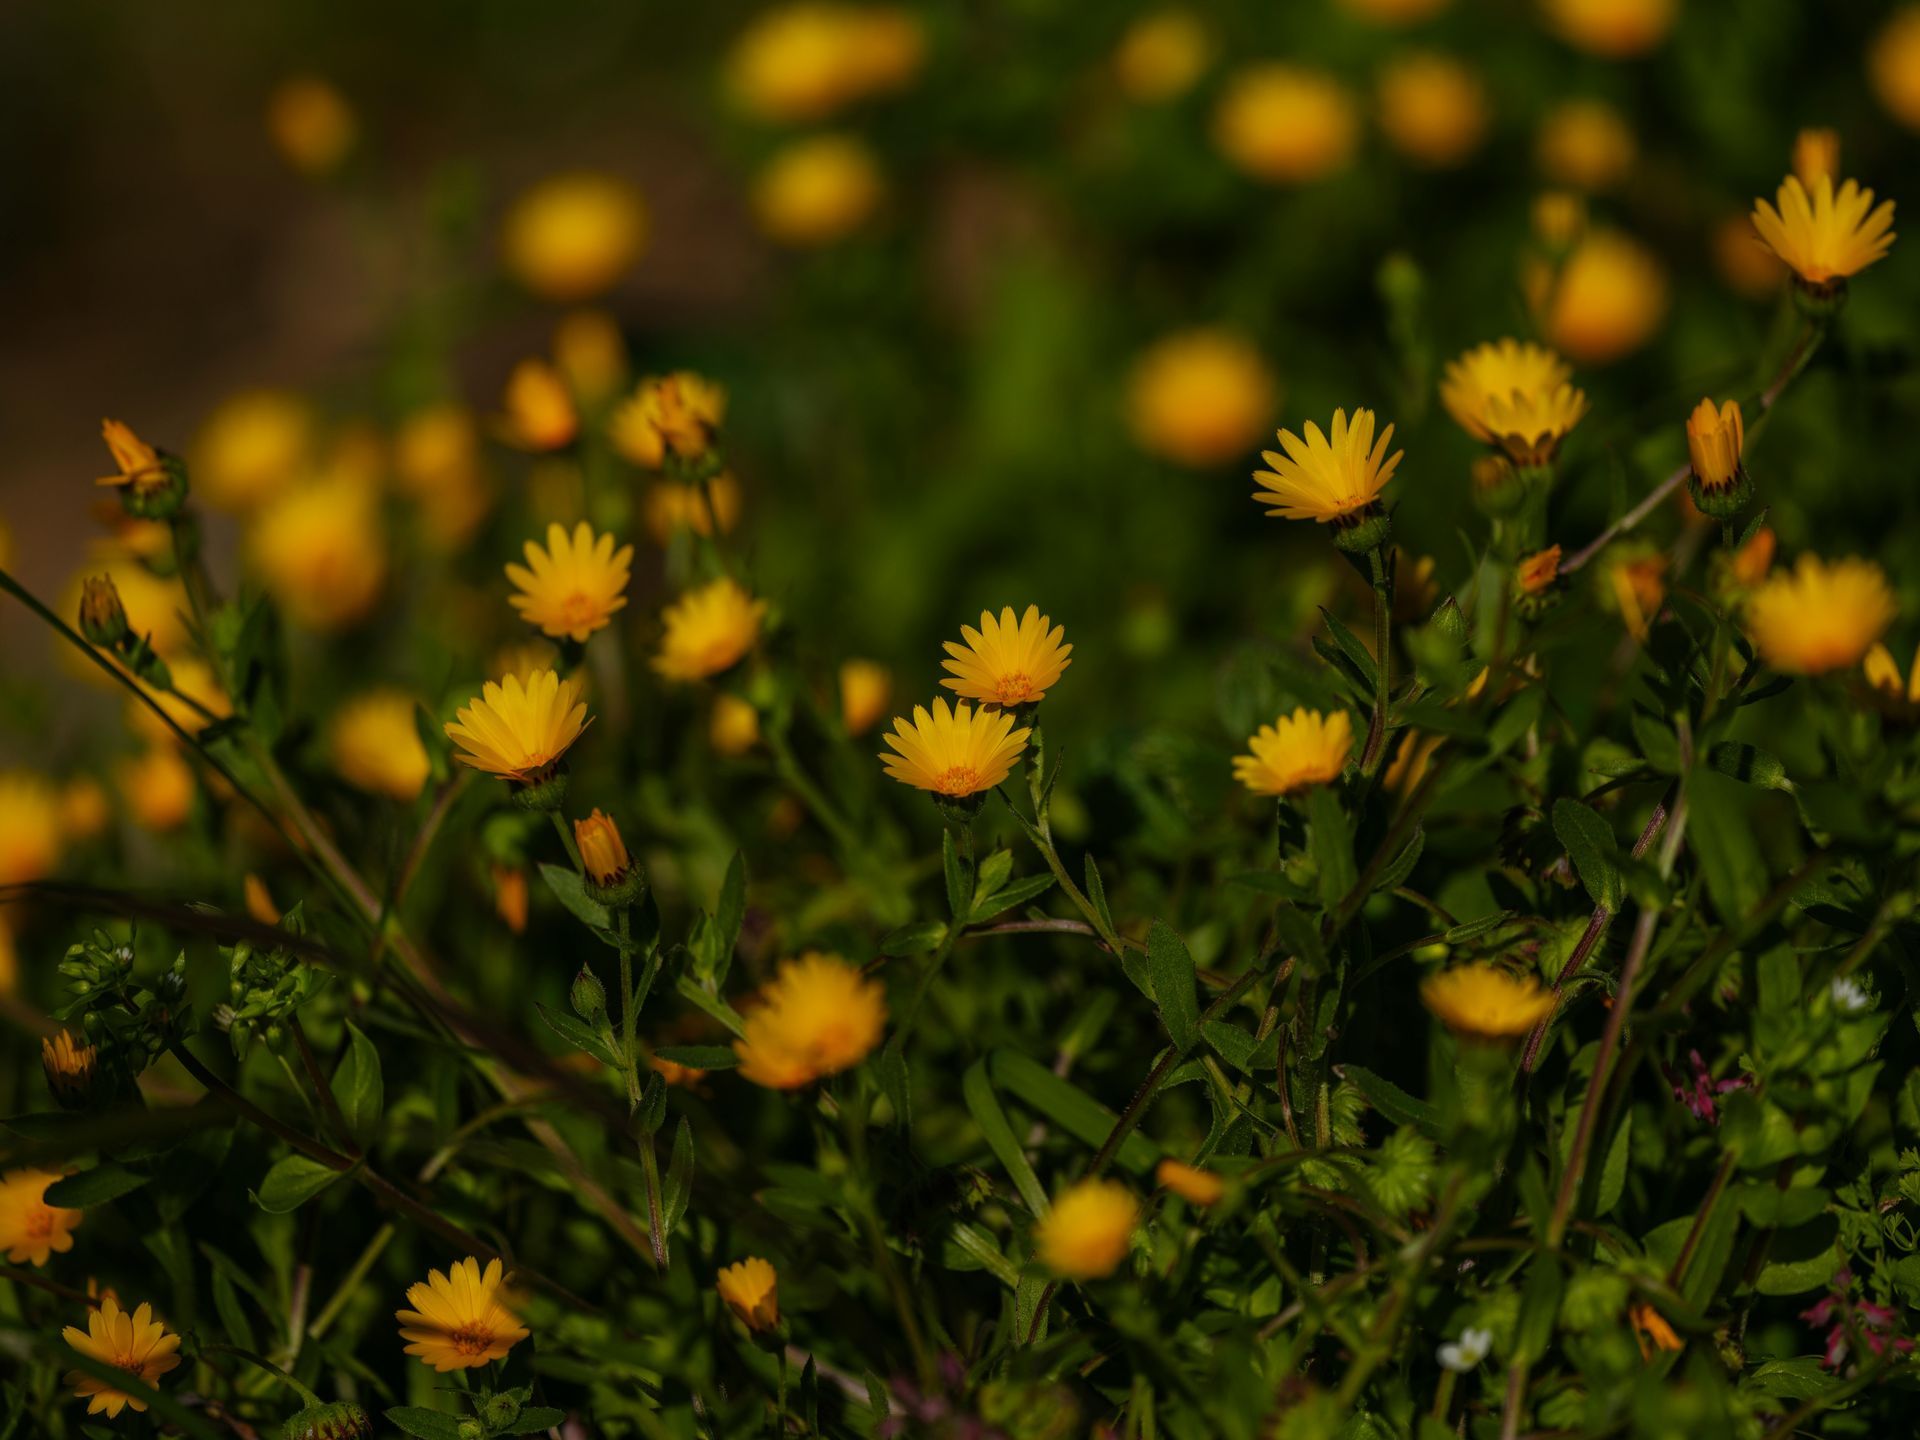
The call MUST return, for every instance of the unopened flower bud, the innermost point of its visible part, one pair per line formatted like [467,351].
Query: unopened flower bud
[342,1420]
[589,996]
[1718,482]
[103,619]
[70,1068]
[501,1411]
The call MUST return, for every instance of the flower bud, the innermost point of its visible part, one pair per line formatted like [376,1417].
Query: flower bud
[103,619]
[152,483]
[588,996]
[1718,482]
[1364,530]
[342,1420]
[70,1068]
[501,1411]
[751,1290]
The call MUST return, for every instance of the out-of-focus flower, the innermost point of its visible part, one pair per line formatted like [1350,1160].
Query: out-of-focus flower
[516,731]
[1635,584]
[1605,300]
[816,1017]
[707,630]
[958,752]
[30,828]
[1334,477]
[1537,573]
[31,1229]
[1465,1354]
[679,413]
[192,694]
[1484,1002]
[251,448]
[259,900]
[1286,125]
[460,1320]
[1200,397]
[1754,559]
[574,586]
[158,786]
[1161,55]
[818,190]
[1816,152]
[69,1066]
[751,1290]
[374,743]
[1297,751]
[1191,1183]
[1715,437]
[151,483]
[1817,618]
[436,457]
[9,960]
[537,411]
[155,608]
[1007,662]
[1744,260]
[137,1343]
[602,852]
[1893,64]
[572,236]
[1433,109]
[1513,394]
[321,549]
[1613,29]
[1652,1330]
[1823,235]
[1088,1231]
[311,124]
[1882,672]
[1559,217]
[591,353]
[1394,12]
[1584,144]
[510,897]
[85,810]
[734,726]
[103,619]
[866,688]
[803,62]
[1700,1092]
[1849,1319]
[674,505]
[1848,995]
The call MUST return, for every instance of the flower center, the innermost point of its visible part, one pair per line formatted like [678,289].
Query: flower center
[578,609]
[40,1222]
[471,1339]
[958,780]
[1013,688]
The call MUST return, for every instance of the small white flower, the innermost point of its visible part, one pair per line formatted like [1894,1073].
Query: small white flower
[1848,996]
[1468,1351]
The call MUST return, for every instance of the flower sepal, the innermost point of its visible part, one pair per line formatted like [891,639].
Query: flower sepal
[1721,502]
[1364,530]
[1820,300]
[544,791]
[158,495]
[340,1420]
[628,889]
[959,810]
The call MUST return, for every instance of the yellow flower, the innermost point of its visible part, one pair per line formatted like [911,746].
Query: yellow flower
[1883,674]
[31,1229]
[1333,477]
[571,237]
[602,851]
[537,413]
[1823,235]
[138,465]
[734,726]
[510,897]
[1537,572]
[158,786]
[680,413]
[374,742]
[1484,1002]
[1286,125]
[751,1289]
[322,551]
[816,1017]
[517,730]
[1558,218]
[1394,12]
[1606,299]
[1191,1183]
[1296,751]
[591,352]
[1614,29]
[673,505]
[1087,1233]
[708,630]
[1200,397]
[69,1067]
[1714,439]
[866,687]
[1514,395]
[955,752]
[259,900]
[1636,584]
[1433,109]
[84,809]
[1652,1330]
[573,587]
[802,62]
[1161,55]
[1893,64]
[1584,144]
[436,458]
[460,1320]
[311,124]
[1816,152]
[30,829]
[1817,617]
[251,448]
[1743,259]
[1753,560]
[136,1343]
[1007,662]
[817,190]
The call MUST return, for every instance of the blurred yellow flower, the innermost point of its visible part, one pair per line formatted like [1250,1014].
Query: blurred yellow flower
[1513,394]
[1433,108]
[1297,751]
[1334,477]
[85,810]
[251,448]
[1200,397]
[460,1320]
[603,854]
[1754,559]
[1584,144]
[1394,12]
[957,752]
[1744,260]
[802,62]
[375,745]
[136,1343]
[30,827]
[816,1017]
[510,897]
[734,726]
[1816,152]
[591,352]
[817,190]
[574,586]
[1537,572]
[515,730]
[1893,65]
[195,694]
[137,465]
[1652,1330]
[751,1290]
[1882,672]
[707,630]
[1613,29]
[1484,1002]
[866,689]
[311,124]
[1161,55]
[1606,299]
[1817,618]
[158,786]
[537,412]
[1558,218]
[68,1065]
[436,458]
[259,900]
[673,505]
[1715,436]
[1823,235]
[1636,586]
[321,549]
[572,236]
[1088,1231]
[679,413]
[1191,1183]
[1284,124]
[31,1229]
[1006,661]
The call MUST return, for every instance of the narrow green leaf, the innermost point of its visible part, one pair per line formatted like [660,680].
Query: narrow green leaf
[1590,845]
[1069,1107]
[579,1035]
[914,939]
[1391,1101]
[1170,968]
[97,1186]
[959,883]
[357,1087]
[1004,899]
[1097,893]
[1750,764]
[976,1089]
[571,891]
[1330,840]
[679,1184]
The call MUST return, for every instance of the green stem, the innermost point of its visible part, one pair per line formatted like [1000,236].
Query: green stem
[565,831]
[261,1362]
[629,1049]
[1382,659]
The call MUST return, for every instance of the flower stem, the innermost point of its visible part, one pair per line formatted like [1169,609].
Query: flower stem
[1377,562]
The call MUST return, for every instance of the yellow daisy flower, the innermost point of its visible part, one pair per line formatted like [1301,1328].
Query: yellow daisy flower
[1161,55]
[734,726]
[1200,397]
[1484,1002]
[30,830]
[31,1229]
[1325,478]
[751,1289]
[1636,586]
[517,731]
[311,124]
[1433,109]
[1087,1233]
[572,236]
[955,752]
[678,413]
[1817,618]
[1296,751]
[460,1320]
[251,448]
[708,630]
[866,686]
[537,410]
[159,788]
[818,1016]
[136,1343]
[574,586]
[1537,572]
[1006,662]
[818,190]
[1614,29]
[1284,124]
[374,743]
[322,551]
[673,505]
[1823,234]
[1191,1183]
[1515,395]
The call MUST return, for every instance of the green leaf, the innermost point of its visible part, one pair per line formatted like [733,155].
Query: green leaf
[1802,1259]
[984,1105]
[915,939]
[698,1057]
[571,891]
[1350,646]
[1331,843]
[1170,969]
[994,872]
[97,1186]
[1613,1170]
[1539,1304]
[1749,764]
[1002,900]
[233,1315]
[1765,1203]
[679,1185]
[1396,872]
[1097,893]
[896,1083]
[424,1423]
[1069,1107]
[1299,937]
[1590,845]
[357,1087]
[1721,834]
[959,883]
[578,1035]
[728,916]
[535,1420]
[1391,1101]
[292,1182]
